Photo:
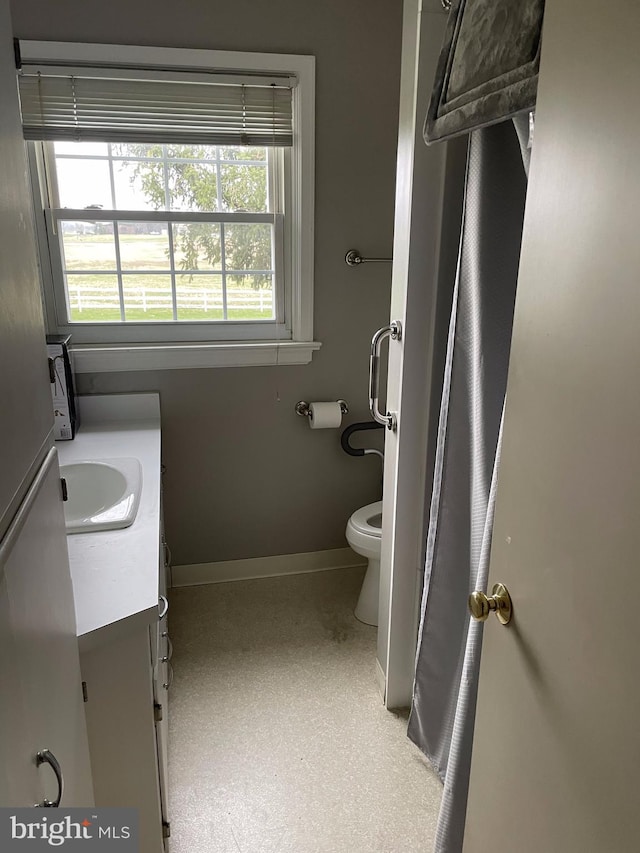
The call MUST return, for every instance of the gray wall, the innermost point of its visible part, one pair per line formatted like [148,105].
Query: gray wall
[246,477]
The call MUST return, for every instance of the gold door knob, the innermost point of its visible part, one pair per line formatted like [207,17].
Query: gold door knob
[481,605]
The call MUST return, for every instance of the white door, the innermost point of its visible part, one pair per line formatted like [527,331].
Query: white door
[427,215]
[556,755]
[44,708]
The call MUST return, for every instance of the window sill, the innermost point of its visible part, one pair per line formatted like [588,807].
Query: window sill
[110,358]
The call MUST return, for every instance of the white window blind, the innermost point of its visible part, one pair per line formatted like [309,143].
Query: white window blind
[134,105]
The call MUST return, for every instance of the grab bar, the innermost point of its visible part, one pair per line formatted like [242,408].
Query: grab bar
[359,451]
[394,331]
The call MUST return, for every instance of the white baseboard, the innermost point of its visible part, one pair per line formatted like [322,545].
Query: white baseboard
[265,567]
[381,680]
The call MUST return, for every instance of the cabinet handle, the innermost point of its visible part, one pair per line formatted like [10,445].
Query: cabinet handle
[167,684]
[45,756]
[169,653]
[162,601]
[167,554]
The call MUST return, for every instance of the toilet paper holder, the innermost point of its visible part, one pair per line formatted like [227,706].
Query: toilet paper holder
[303,410]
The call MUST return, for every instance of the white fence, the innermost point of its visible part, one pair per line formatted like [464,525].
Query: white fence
[87,297]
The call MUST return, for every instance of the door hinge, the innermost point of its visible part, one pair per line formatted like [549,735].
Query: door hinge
[166,829]
[157,712]
[85,692]
[65,490]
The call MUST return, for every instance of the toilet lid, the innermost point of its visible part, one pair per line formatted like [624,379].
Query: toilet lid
[368,519]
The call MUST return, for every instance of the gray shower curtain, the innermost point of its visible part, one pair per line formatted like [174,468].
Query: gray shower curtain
[461,512]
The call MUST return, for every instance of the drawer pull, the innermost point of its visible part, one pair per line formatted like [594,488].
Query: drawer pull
[169,653]
[163,605]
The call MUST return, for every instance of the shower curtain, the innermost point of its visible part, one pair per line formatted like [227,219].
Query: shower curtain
[461,513]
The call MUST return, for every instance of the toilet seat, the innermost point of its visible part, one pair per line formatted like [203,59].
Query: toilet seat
[368,519]
[364,530]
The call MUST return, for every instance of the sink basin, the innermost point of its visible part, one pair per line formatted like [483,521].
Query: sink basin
[102,494]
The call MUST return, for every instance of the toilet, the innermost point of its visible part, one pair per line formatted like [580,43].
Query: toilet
[364,535]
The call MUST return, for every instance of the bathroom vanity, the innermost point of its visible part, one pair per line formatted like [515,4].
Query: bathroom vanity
[119,583]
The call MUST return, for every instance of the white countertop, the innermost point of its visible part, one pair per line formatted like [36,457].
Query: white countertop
[115,573]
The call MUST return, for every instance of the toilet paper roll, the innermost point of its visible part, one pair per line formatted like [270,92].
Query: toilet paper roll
[325,415]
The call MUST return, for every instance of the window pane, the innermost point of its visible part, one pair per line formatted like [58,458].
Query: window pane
[84,183]
[244,152]
[196,246]
[76,149]
[88,245]
[136,149]
[199,297]
[192,186]
[93,298]
[191,152]
[244,188]
[248,247]
[147,297]
[139,185]
[144,245]
[250,297]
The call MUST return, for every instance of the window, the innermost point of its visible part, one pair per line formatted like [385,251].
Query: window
[176,225]
[165,234]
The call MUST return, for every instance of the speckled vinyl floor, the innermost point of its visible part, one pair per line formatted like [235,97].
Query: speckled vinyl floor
[279,742]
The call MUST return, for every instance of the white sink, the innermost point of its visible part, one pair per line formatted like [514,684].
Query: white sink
[102,494]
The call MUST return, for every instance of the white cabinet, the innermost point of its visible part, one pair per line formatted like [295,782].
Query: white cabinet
[41,705]
[118,577]
[27,416]
[40,687]
[126,670]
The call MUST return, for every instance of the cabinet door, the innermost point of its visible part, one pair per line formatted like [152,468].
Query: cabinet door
[42,663]
[162,651]
[18,783]
[163,676]
[118,670]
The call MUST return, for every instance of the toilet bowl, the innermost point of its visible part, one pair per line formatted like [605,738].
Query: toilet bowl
[364,535]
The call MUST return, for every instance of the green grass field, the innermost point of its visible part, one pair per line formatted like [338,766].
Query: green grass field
[101,315]
[98,300]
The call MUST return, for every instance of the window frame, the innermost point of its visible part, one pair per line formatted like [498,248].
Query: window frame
[108,346]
